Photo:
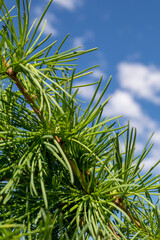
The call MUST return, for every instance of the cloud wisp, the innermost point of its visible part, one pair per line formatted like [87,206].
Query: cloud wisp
[142,81]
[81,40]
[51,20]
[97,73]
[122,103]
[69,4]
[87,92]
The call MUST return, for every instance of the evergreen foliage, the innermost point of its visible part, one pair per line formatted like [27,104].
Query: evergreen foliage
[63,173]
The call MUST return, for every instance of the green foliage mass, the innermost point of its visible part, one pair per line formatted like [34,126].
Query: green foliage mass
[63,173]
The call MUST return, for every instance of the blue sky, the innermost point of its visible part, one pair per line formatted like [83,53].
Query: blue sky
[127,34]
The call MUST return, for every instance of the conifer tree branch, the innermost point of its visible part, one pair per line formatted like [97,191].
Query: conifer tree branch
[14,77]
[113,230]
[29,98]
[11,74]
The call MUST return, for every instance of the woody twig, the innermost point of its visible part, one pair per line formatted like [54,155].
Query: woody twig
[73,166]
[11,74]
[119,202]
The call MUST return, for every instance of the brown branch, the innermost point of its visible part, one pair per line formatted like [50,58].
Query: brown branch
[14,77]
[73,165]
[75,171]
[119,203]
[113,230]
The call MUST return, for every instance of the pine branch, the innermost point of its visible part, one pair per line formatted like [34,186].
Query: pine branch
[11,74]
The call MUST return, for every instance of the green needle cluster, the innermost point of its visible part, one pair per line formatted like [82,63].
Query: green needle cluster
[64,173]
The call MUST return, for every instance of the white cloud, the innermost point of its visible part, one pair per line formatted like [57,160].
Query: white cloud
[134,56]
[51,18]
[152,160]
[139,147]
[142,81]
[49,28]
[156,138]
[122,103]
[69,4]
[87,91]
[80,40]
[100,59]
[97,73]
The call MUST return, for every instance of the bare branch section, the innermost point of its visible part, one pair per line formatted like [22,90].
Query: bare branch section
[119,203]
[25,93]
[73,165]
[112,229]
